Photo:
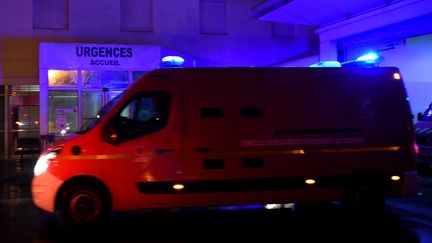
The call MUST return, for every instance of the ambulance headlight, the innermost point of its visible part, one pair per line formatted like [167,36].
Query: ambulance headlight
[43,162]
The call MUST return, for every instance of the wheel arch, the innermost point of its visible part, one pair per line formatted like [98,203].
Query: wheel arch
[370,178]
[83,180]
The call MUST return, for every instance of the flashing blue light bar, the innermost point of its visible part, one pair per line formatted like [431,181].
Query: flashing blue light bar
[370,57]
[172,60]
[326,64]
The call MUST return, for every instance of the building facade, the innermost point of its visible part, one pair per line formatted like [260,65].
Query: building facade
[61,60]
[37,72]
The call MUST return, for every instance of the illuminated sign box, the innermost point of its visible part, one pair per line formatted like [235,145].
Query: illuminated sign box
[99,56]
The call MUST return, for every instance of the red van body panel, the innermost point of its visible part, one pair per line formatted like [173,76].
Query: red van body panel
[244,136]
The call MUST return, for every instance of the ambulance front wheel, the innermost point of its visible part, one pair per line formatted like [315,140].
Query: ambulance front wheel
[84,204]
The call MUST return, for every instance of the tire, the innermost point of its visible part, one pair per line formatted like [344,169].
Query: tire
[82,205]
[365,196]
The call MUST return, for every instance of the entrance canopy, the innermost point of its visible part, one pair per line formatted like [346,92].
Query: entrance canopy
[77,79]
[99,56]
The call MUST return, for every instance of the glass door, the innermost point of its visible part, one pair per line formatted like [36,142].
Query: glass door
[76,96]
[98,88]
[92,101]
[63,115]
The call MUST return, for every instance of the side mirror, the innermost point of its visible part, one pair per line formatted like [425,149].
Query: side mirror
[419,116]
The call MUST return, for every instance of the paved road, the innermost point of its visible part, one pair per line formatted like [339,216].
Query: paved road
[404,220]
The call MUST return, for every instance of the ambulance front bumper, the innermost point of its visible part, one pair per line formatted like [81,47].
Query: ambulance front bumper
[44,189]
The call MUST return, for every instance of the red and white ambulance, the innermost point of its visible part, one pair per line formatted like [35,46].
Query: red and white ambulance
[188,137]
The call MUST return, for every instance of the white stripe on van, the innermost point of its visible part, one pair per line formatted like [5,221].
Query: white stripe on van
[302,141]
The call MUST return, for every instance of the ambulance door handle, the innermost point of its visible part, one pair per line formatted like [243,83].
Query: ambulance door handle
[202,150]
[164,150]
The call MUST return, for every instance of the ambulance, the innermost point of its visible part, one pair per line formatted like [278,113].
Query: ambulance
[206,137]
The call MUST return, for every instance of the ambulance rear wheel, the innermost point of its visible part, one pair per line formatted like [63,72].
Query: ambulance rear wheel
[84,205]
[366,195]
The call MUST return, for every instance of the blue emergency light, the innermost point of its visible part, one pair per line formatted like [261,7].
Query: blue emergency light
[172,61]
[326,64]
[370,57]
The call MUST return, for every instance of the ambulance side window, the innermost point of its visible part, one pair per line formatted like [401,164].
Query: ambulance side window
[145,113]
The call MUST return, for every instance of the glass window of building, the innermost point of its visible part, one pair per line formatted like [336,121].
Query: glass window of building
[23,117]
[50,14]
[3,142]
[105,79]
[63,106]
[79,79]
[91,104]
[58,78]
[213,17]
[136,15]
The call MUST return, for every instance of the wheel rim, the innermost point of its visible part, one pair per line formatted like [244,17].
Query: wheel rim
[85,206]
